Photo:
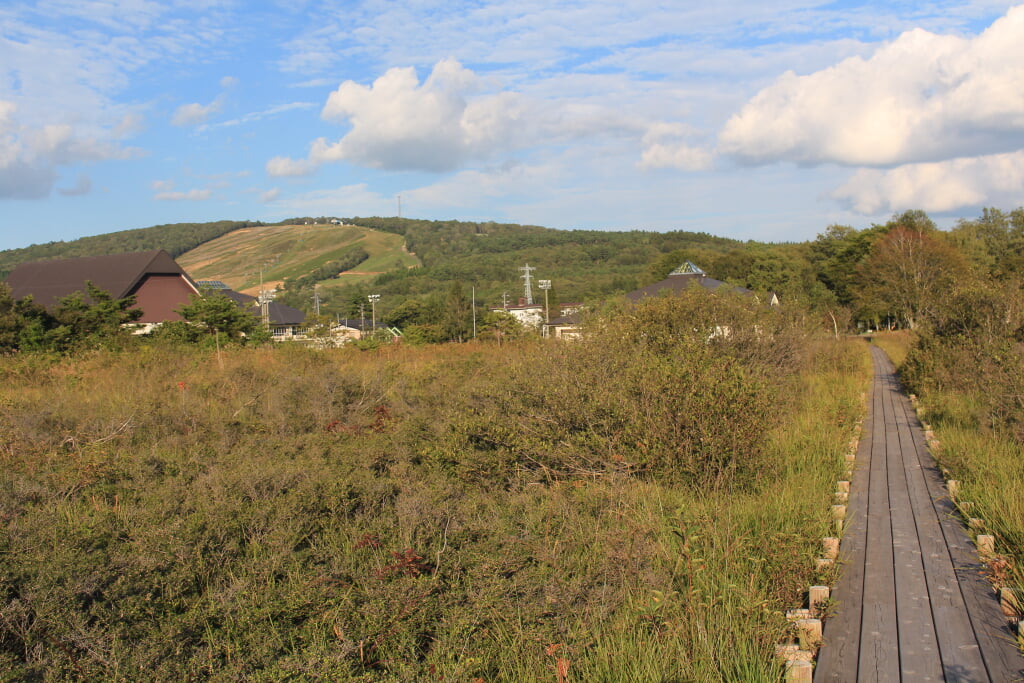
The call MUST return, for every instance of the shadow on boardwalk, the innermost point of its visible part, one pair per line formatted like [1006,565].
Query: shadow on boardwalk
[912,604]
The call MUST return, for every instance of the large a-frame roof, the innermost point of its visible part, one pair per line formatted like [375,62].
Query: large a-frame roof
[118,274]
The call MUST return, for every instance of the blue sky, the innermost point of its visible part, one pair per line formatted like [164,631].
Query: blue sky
[753,119]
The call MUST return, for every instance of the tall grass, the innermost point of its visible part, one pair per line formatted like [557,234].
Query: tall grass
[302,515]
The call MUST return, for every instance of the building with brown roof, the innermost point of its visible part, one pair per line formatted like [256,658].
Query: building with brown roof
[154,278]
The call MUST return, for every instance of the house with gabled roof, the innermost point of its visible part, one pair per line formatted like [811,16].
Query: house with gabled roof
[154,278]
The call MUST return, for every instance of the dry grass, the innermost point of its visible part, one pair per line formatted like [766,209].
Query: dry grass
[168,518]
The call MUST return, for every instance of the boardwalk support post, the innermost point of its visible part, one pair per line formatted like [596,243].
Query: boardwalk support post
[1008,601]
[809,633]
[954,488]
[830,547]
[986,544]
[817,598]
[799,672]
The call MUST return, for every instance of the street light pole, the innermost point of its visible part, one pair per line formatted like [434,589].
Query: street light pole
[545,285]
[374,298]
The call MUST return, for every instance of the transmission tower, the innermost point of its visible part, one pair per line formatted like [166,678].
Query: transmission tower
[527,283]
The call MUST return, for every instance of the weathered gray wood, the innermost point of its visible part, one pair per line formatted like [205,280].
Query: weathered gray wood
[994,636]
[879,648]
[838,659]
[919,649]
[928,614]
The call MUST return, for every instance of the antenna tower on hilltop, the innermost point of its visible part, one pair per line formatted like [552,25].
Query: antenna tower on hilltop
[528,286]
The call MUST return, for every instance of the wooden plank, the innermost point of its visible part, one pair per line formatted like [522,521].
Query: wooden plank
[918,645]
[959,656]
[879,652]
[838,658]
[996,642]
[927,612]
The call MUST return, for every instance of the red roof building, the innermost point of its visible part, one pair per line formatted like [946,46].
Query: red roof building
[153,277]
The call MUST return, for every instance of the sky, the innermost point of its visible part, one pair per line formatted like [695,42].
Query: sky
[766,120]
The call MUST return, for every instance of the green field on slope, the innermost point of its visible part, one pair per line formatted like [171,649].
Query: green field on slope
[288,251]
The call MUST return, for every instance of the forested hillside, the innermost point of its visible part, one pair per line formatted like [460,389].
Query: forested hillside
[583,265]
[175,238]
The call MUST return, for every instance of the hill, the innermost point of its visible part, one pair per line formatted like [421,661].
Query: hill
[175,238]
[291,251]
[375,255]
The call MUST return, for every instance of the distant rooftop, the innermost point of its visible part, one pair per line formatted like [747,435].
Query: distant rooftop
[211,284]
[688,268]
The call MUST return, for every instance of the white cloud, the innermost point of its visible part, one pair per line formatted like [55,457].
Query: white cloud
[270,195]
[228,82]
[666,146]
[399,123]
[195,114]
[451,119]
[938,187]
[29,156]
[352,200]
[921,98]
[283,167]
[131,124]
[191,195]
[82,186]
[265,113]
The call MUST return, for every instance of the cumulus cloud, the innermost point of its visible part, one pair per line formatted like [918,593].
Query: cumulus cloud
[283,167]
[29,156]
[195,114]
[666,146]
[938,186]
[82,186]
[921,98]
[270,195]
[400,123]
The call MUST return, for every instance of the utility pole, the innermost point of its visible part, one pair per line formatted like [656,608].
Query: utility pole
[374,298]
[474,311]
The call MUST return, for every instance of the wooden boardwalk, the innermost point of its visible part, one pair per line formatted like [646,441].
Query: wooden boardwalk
[912,603]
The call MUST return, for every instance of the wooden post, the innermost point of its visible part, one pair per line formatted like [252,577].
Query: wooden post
[986,544]
[798,671]
[839,515]
[1008,601]
[851,457]
[842,497]
[976,523]
[817,597]
[830,547]
[843,486]
[954,488]
[809,633]
[823,564]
